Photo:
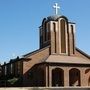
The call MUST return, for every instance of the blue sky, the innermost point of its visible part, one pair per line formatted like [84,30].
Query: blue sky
[20,19]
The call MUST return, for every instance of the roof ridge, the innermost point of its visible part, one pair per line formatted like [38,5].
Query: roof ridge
[82,52]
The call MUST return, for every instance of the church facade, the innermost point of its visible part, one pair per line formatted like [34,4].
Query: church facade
[58,62]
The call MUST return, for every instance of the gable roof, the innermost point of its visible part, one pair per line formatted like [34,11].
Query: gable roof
[58,58]
[34,52]
[54,58]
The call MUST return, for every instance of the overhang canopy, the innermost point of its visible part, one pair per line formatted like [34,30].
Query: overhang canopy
[67,59]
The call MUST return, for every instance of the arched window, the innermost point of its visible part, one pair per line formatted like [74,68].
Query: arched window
[72,32]
[54,28]
[57,77]
[44,25]
[48,31]
[74,77]
[63,37]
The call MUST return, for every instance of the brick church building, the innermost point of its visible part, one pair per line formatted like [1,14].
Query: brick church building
[58,62]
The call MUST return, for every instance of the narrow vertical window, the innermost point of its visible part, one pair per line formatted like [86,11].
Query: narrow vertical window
[54,28]
[72,37]
[63,37]
[45,29]
[48,32]
[41,37]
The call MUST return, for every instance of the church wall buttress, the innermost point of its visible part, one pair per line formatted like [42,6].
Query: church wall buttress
[54,37]
[57,37]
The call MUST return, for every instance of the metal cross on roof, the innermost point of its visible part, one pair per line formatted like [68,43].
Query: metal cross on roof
[56,7]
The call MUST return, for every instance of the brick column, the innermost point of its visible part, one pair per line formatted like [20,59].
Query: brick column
[46,76]
[82,77]
[50,77]
[66,77]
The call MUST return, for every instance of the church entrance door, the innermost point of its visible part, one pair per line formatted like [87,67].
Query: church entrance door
[57,77]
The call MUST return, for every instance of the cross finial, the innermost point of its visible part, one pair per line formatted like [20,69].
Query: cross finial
[56,8]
